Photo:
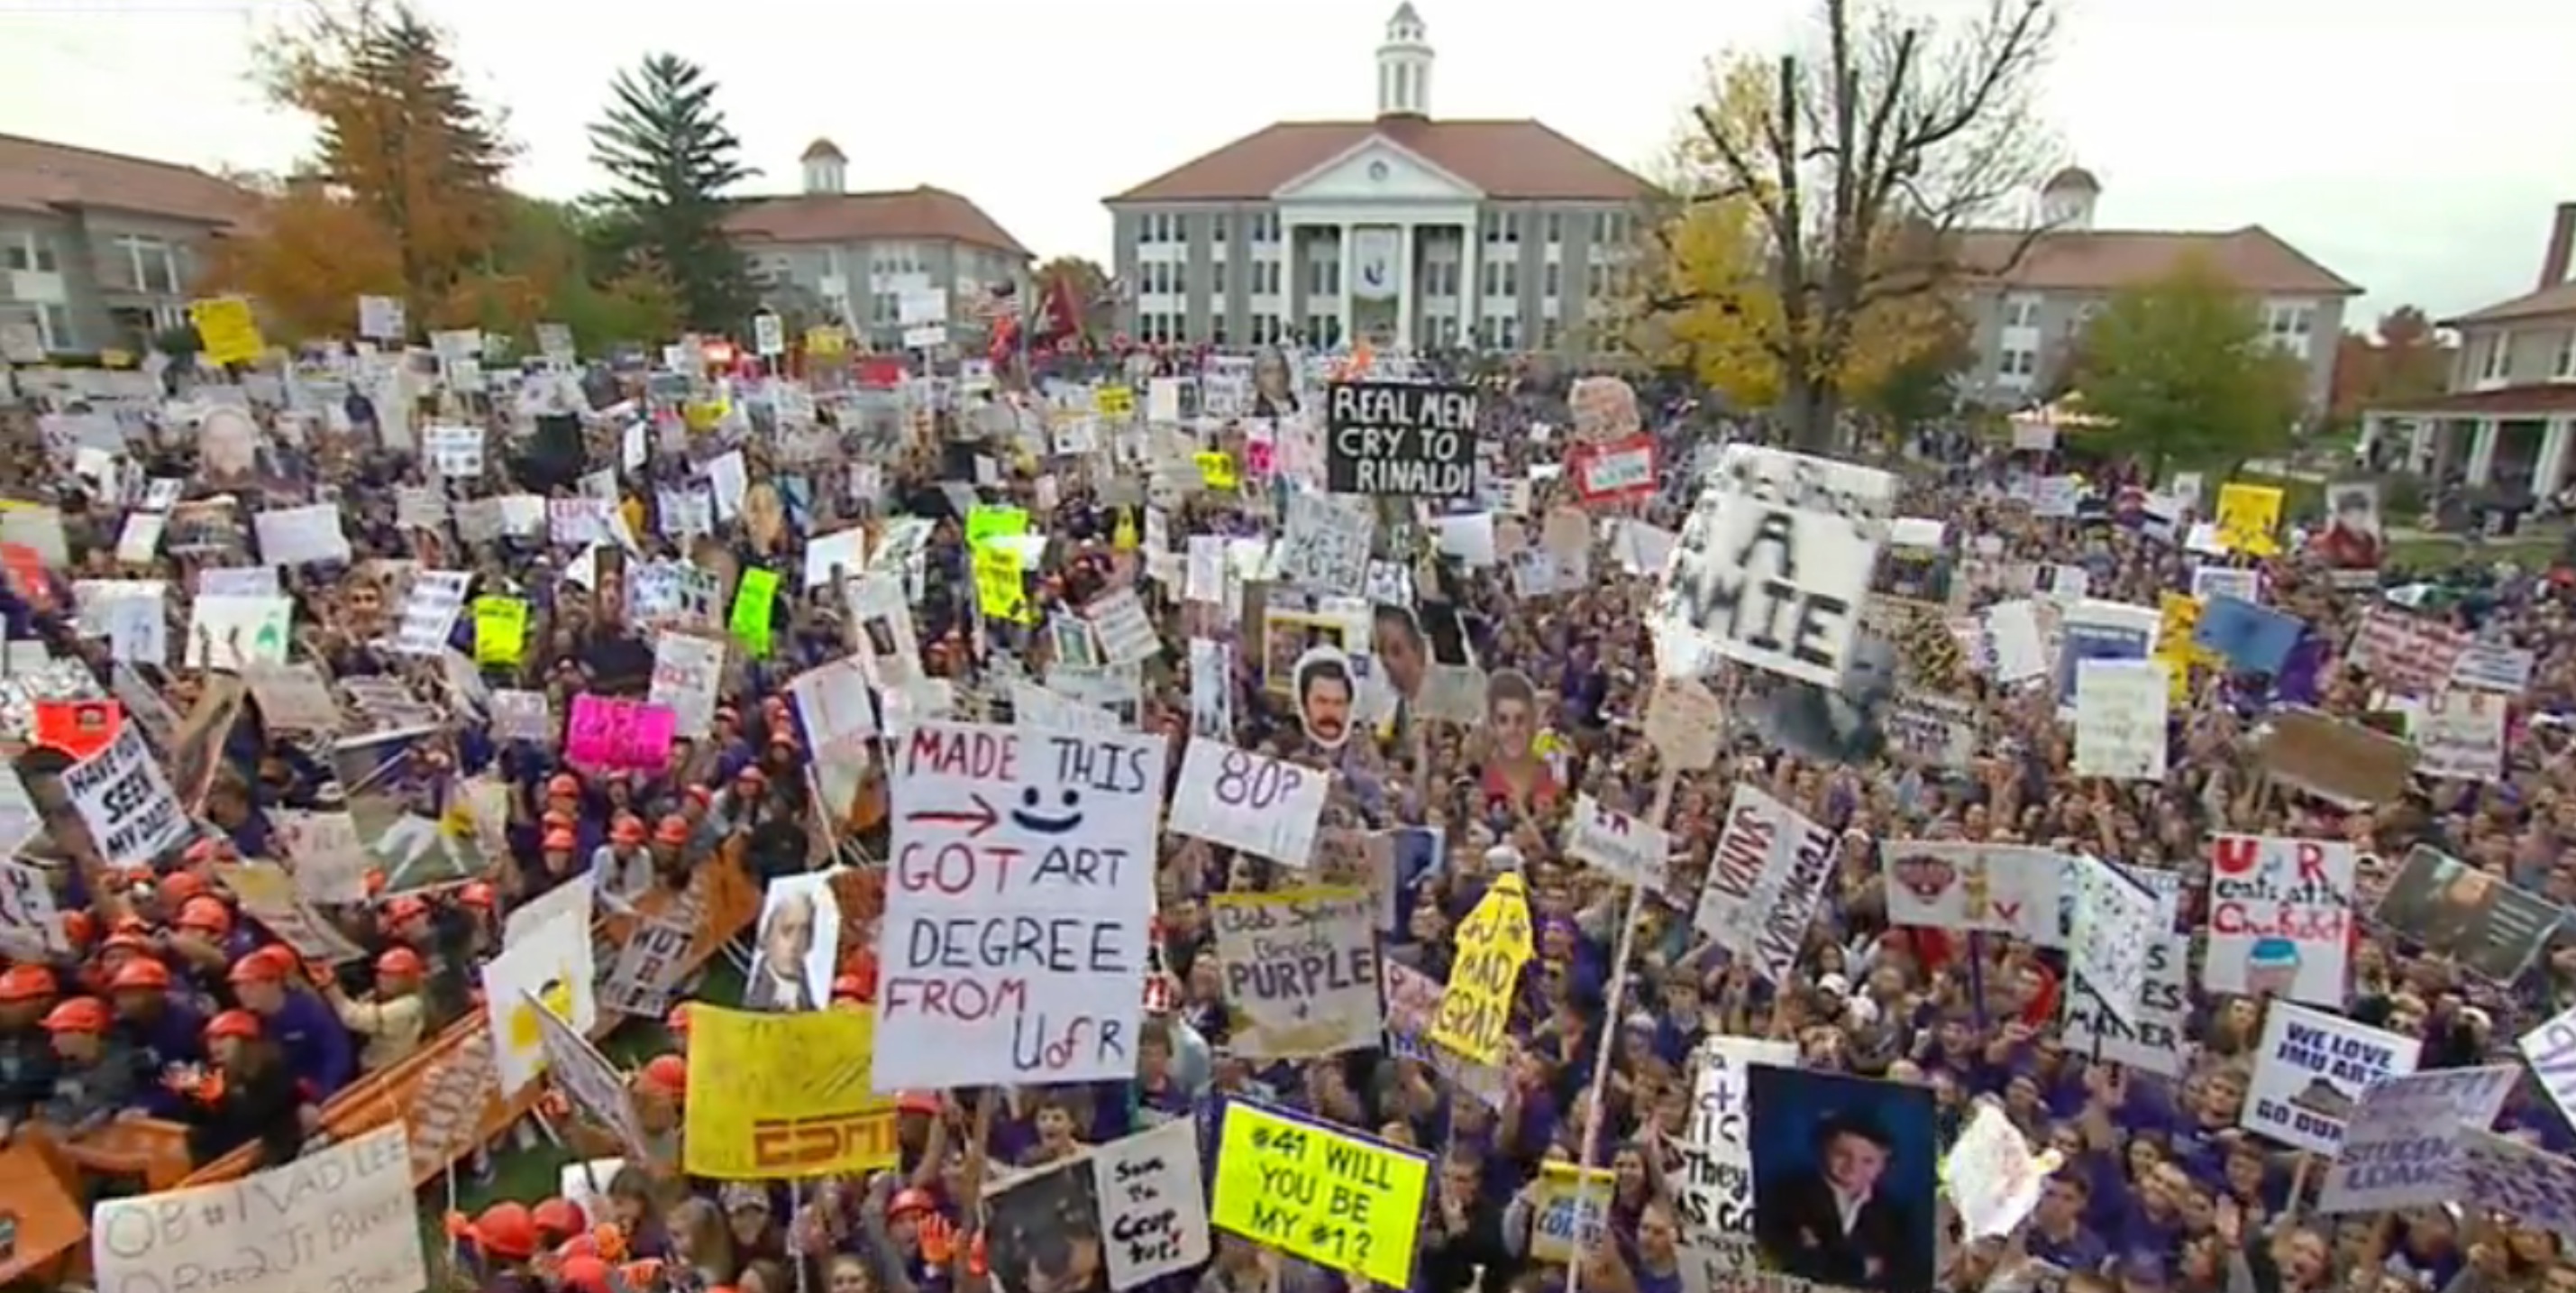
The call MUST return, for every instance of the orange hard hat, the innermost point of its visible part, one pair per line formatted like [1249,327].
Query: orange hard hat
[26,983]
[506,1230]
[258,967]
[79,927]
[399,963]
[78,1015]
[628,830]
[849,987]
[583,1273]
[559,842]
[668,1074]
[405,908]
[143,973]
[375,879]
[233,1023]
[205,914]
[563,817]
[908,1202]
[564,784]
[562,1216]
[673,830]
[477,893]
[179,886]
[678,1019]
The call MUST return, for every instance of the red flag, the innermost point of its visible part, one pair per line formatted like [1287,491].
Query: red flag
[1058,317]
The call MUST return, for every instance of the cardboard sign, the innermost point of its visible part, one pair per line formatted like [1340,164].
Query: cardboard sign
[2342,763]
[1400,439]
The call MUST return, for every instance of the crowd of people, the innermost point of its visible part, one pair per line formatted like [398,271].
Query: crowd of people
[166,989]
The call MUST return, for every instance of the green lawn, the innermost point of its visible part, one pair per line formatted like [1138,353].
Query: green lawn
[2534,548]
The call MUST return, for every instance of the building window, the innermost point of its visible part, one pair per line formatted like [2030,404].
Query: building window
[1216,330]
[2565,368]
[1511,278]
[2290,324]
[2018,363]
[54,323]
[29,251]
[150,265]
[1216,278]
[1180,276]
[1549,290]
[1547,334]
[1555,228]
[1216,229]
[2499,357]
[1507,331]
[2021,312]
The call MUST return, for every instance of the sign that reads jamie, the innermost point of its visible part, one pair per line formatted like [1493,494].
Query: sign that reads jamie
[1400,439]
[1775,560]
[126,802]
[1016,918]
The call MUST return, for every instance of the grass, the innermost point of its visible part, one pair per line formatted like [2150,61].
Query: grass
[2436,552]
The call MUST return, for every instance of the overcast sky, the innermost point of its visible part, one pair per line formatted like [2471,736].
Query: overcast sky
[2414,149]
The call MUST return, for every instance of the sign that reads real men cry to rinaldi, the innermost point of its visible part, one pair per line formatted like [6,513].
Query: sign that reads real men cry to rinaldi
[1400,439]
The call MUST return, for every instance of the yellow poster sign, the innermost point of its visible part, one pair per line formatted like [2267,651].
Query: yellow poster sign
[999,590]
[500,630]
[1115,401]
[1217,469]
[1571,1202]
[2178,615]
[226,326]
[1493,944]
[826,342]
[753,600]
[2247,517]
[1331,1197]
[784,1095]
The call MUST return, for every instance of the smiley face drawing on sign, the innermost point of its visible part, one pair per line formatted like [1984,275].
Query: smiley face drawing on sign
[1326,689]
[1027,818]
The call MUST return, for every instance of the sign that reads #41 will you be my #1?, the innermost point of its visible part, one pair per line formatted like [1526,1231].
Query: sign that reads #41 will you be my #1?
[1013,946]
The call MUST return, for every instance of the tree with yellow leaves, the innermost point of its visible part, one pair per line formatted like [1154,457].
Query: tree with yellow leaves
[1818,206]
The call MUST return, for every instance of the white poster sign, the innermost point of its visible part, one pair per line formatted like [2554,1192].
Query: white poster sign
[337,1218]
[687,671]
[126,802]
[1774,563]
[1636,851]
[1014,940]
[2461,734]
[2120,719]
[2279,918]
[2117,922]
[550,961]
[1248,801]
[1770,869]
[1153,1213]
[1714,1184]
[1300,968]
[2312,1069]
[2400,1148]
[1975,888]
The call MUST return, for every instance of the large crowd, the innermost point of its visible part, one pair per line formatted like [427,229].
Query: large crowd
[171,988]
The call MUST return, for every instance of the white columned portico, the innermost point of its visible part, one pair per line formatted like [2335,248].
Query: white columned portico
[1350,287]
[2547,474]
[2482,447]
[1406,288]
[2419,444]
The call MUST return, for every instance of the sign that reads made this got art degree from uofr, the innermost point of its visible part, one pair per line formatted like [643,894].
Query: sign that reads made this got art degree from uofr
[1400,439]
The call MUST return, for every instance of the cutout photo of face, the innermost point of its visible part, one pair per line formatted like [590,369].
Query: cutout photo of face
[1326,691]
[1396,640]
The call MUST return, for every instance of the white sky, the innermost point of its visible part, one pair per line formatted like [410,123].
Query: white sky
[2414,149]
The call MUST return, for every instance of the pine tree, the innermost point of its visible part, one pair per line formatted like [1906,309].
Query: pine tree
[670,159]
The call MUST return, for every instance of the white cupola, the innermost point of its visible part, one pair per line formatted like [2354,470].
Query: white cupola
[2066,201]
[1404,66]
[826,170]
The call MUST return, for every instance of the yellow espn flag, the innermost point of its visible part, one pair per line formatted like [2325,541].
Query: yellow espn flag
[784,1095]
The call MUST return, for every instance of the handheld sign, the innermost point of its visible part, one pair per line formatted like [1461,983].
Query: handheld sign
[1333,1198]
[1017,905]
[1493,944]
[1400,439]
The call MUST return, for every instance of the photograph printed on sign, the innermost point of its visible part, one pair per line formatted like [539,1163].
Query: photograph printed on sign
[1286,637]
[1403,654]
[1845,724]
[1515,771]
[1820,1139]
[1044,1233]
[797,947]
[2453,909]
[1325,691]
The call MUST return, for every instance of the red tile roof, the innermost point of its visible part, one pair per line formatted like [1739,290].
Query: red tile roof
[39,176]
[2538,399]
[2254,258]
[1510,160]
[2559,300]
[919,213]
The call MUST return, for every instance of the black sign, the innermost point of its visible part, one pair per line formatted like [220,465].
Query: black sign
[1400,439]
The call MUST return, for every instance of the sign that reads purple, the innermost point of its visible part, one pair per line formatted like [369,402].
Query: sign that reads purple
[1013,945]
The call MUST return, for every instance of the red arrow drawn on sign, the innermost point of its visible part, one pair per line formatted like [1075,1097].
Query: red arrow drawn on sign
[982,819]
